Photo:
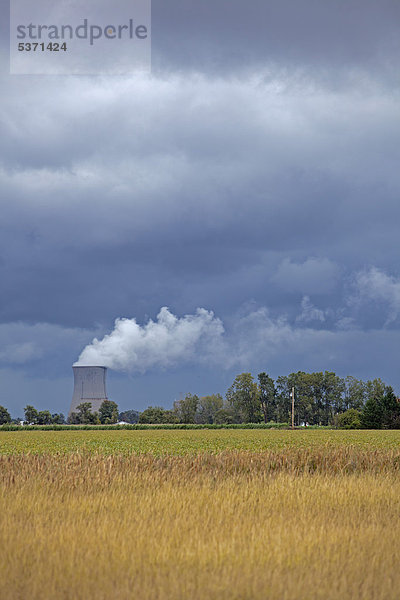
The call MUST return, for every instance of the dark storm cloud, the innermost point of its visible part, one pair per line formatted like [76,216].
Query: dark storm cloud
[140,191]
[327,37]
[131,216]
[230,35]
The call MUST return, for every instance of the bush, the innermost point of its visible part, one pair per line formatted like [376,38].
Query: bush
[350,419]
[157,414]
[129,416]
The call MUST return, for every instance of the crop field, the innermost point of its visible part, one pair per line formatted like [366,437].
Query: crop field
[243,514]
[179,442]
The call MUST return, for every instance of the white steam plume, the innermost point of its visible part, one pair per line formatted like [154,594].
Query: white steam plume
[162,343]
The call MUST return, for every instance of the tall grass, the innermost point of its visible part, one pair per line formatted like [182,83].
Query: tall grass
[293,523]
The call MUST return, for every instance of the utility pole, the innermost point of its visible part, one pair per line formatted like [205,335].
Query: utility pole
[292,395]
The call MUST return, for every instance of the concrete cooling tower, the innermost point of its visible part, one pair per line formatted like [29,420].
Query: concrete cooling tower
[89,386]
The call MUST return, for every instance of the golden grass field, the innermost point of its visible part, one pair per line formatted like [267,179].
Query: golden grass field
[200,515]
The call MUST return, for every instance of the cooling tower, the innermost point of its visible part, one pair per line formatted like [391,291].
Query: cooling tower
[89,386]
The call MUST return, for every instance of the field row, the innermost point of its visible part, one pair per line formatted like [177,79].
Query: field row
[160,442]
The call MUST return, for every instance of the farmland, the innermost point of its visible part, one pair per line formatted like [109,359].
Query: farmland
[160,442]
[200,514]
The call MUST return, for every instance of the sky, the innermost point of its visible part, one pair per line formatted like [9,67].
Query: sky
[235,210]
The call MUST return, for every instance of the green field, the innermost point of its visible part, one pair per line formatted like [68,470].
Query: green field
[160,442]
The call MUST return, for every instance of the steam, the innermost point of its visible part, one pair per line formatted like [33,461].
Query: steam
[163,343]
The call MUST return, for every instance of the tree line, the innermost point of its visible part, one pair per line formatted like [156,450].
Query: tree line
[107,415]
[321,398]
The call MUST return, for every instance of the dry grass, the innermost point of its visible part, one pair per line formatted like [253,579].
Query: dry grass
[289,524]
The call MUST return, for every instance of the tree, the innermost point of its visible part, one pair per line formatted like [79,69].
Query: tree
[157,414]
[31,414]
[243,395]
[58,419]
[43,417]
[373,413]
[108,412]
[319,408]
[283,403]
[350,419]
[333,390]
[186,408]
[73,418]
[129,416]
[224,415]
[267,396]
[306,387]
[208,407]
[4,416]
[375,389]
[84,415]
[354,393]
[391,410]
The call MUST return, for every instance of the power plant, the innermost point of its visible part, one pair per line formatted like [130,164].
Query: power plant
[89,386]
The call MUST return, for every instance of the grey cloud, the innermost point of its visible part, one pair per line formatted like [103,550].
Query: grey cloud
[374,285]
[309,312]
[38,348]
[186,179]
[314,275]
[228,35]
[20,353]
[334,41]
